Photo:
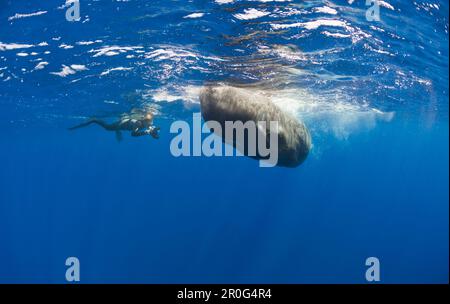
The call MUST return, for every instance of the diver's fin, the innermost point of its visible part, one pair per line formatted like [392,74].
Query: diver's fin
[119,136]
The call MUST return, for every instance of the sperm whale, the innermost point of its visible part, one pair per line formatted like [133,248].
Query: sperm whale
[223,103]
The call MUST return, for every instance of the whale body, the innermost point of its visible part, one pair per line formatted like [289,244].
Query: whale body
[223,103]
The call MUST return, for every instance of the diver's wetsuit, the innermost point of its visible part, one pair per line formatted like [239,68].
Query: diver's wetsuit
[138,127]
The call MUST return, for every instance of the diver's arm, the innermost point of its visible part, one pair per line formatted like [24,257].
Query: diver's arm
[153,131]
[137,132]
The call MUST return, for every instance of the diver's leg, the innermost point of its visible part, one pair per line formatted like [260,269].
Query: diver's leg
[84,124]
[109,127]
[119,136]
[106,126]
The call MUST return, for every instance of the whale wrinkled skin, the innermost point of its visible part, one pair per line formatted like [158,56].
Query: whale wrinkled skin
[223,103]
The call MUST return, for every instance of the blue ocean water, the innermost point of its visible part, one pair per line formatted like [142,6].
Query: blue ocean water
[374,95]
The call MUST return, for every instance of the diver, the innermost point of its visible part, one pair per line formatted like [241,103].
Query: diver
[139,123]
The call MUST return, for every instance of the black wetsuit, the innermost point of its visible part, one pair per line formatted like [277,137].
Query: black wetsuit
[136,126]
